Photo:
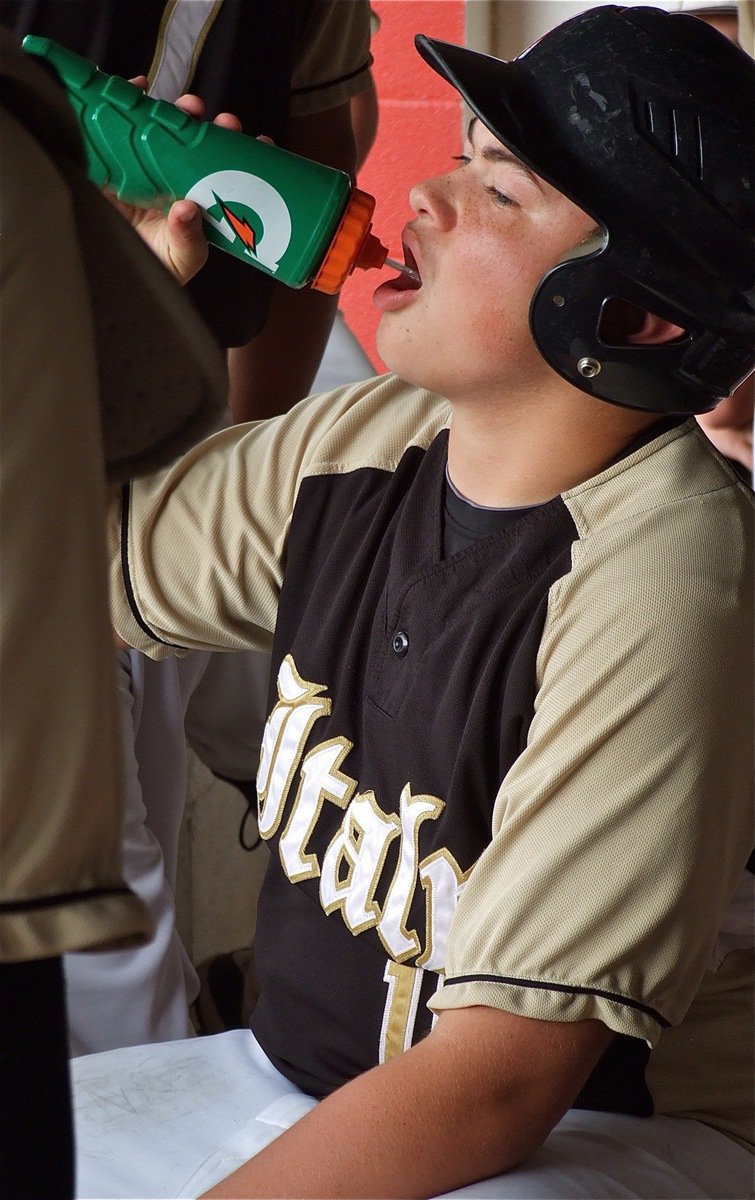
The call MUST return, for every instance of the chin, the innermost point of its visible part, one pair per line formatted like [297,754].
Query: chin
[383,337]
[405,369]
[396,352]
[392,357]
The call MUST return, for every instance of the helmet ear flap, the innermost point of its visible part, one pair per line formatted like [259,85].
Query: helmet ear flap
[566,319]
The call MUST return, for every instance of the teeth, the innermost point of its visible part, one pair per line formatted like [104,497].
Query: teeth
[402,267]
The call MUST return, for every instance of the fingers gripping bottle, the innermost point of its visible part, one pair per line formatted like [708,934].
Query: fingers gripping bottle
[294,219]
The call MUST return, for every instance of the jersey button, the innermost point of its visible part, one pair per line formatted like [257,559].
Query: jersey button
[400,644]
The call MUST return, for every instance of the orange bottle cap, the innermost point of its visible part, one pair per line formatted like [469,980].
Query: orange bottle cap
[353,245]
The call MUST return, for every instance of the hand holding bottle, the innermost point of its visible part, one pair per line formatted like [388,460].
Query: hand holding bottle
[176,237]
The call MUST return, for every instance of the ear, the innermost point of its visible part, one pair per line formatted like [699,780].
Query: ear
[655,331]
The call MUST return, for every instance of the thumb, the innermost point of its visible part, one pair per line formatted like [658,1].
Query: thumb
[186,242]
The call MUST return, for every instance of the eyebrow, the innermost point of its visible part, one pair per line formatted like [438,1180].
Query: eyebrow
[500,154]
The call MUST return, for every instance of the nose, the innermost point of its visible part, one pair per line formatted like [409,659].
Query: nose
[433,198]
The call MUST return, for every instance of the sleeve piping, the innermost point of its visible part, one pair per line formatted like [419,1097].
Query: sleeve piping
[573,989]
[126,574]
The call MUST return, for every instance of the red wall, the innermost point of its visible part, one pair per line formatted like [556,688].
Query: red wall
[418,132]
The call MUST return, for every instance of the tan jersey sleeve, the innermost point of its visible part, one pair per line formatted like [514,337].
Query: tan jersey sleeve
[622,829]
[197,552]
[334,60]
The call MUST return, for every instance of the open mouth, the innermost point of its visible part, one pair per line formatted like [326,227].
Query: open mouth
[410,278]
[396,292]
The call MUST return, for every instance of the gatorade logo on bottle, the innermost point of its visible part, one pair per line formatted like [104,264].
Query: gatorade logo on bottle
[245,208]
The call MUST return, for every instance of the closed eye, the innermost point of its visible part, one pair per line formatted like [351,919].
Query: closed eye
[499,197]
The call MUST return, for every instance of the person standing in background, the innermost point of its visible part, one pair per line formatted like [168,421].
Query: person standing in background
[292,72]
[106,372]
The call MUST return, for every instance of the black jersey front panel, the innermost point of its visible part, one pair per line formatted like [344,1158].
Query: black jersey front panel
[382,650]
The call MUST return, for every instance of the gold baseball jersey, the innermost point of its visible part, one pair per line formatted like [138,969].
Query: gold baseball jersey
[518,774]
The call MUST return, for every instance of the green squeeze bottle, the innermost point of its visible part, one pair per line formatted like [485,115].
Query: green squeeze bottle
[294,219]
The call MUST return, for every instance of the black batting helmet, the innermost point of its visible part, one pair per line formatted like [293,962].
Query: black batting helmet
[644,119]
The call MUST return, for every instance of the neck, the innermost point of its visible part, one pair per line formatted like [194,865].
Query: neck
[509,455]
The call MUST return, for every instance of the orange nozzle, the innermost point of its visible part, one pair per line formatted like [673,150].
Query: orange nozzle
[353,245]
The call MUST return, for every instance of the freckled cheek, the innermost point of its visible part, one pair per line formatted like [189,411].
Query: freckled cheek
[499,332]
[396,340]
[502,287]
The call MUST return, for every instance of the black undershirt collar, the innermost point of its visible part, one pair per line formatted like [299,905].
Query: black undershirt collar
[465,522]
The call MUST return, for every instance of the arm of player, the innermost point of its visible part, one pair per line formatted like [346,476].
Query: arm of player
[476,1097]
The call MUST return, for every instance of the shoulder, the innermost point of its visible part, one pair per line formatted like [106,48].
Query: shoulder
[661,578]
[367,424]
[333,60]
[671,522]
[676,476]
[370,424]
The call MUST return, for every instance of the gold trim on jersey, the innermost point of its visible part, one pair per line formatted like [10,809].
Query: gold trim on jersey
[400,1012]
[399,941]
[443,879]
[354,862]
[286,732]
[320,780]
[361,845]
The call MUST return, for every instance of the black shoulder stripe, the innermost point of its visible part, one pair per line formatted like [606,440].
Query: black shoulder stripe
[41,902]
[543,986]
[126,494]
[327,83]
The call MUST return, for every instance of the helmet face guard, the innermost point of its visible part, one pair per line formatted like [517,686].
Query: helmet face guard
[643,119]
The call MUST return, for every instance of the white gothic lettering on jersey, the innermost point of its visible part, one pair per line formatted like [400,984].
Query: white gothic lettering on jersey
[354,862]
